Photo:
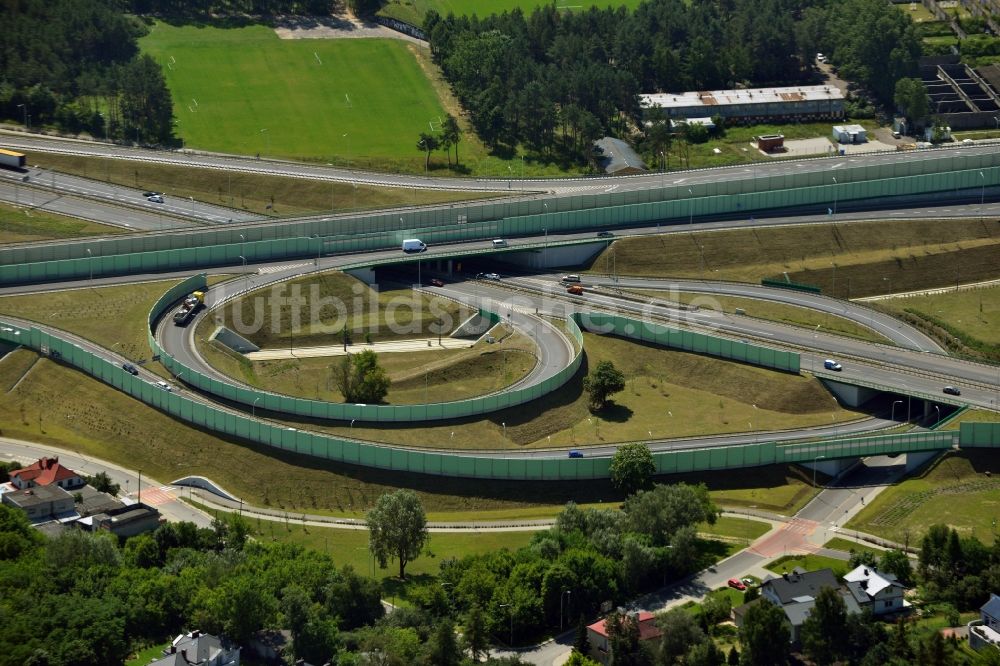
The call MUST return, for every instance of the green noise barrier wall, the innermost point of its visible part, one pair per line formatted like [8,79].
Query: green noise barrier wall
[595,322]
[690,341]
[319,409]
[481,466]
[198,248]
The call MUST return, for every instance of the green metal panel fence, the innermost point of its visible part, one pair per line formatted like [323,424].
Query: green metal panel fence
[483,466]
[319,409]
[979,435]
[691,341]
[193,249]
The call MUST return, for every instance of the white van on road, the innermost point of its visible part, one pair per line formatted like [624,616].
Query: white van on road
[411,245]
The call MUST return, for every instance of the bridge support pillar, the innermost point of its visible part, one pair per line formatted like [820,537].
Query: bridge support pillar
[848,394]
[451,268]
[917,459]
[829,467]
[366,275]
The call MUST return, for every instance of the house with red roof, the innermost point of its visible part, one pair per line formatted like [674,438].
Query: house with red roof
[45,472]
[597,633]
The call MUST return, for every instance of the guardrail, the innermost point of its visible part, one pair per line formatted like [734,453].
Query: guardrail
[195,249]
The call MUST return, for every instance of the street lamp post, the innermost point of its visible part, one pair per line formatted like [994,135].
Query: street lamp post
[246,276]
[894,403]
[253,408]
[319,248]
[938,410]
[815,460]
[24,107]
[90,265]
[564,593]
[690,207]
[511,611]
[834,194]
[885,279]
[982,195]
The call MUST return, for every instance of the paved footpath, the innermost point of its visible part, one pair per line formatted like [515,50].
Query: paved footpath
[420,344]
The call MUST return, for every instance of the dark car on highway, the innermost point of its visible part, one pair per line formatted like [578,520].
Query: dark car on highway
[435,282]
[130,369]
[605,234]
[952,390]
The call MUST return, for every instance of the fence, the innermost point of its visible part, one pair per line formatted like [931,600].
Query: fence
[274,241]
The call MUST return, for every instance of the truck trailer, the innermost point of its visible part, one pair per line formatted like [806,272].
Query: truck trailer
[192,303]
[9,158]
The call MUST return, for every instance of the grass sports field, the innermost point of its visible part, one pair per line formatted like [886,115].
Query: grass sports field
[244,90]
[413,11]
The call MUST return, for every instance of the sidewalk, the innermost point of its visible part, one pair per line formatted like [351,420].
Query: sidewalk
[392,346]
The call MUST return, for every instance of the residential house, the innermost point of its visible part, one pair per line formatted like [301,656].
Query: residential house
[597,634]
[45,472]
[878,592]
[795,593]
[986,630]
[198,649]
[41,503]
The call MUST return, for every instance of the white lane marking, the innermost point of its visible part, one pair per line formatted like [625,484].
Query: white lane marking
[265,270]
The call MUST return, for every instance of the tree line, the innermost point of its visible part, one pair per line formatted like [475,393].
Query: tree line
[75,64]
[554,81]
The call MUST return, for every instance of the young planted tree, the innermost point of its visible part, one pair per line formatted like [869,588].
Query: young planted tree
[603,381]
[428,143]
[452,133]
[397,529]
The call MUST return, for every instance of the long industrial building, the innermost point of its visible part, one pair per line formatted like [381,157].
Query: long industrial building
[752,105]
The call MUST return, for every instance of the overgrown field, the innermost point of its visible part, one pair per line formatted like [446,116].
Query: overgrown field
[966,322]
[847,260]
[959,489]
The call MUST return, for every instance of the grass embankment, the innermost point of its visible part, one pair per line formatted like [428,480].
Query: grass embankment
[972,416]
[761,309]
[22,224]
[668,394]
[252,192]
[965,322]
[954,490]
[56,405]
[863,258]
[114,317]
[734,529]
[312,311]
[417,377]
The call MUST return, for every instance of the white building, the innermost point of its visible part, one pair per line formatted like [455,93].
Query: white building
[850,134]
[877,591]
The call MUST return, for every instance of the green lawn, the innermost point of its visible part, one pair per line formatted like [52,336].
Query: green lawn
[244,90]
[972,416]
[846,545]
[147,655]
[413,11]
[735,528]
[807,562]
[954,490]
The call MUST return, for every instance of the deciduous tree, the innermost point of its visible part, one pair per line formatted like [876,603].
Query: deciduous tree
[602,382]
[632,468]
[397,529]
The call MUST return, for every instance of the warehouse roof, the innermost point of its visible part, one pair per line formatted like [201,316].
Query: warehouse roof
[711,98]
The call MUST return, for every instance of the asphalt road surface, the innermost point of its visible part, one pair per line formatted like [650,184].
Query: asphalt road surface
[36,184]
[594,185]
